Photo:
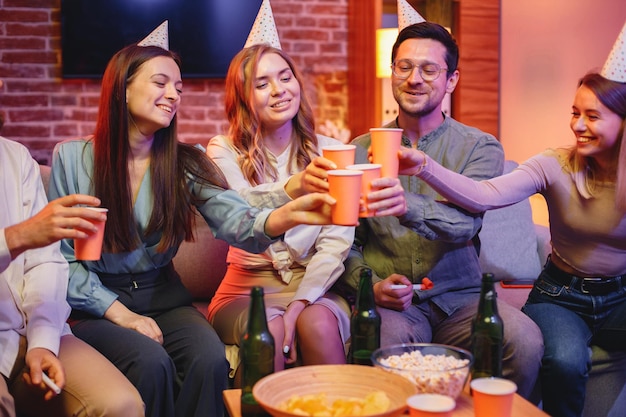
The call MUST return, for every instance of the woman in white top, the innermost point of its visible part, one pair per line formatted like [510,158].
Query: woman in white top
[270,156]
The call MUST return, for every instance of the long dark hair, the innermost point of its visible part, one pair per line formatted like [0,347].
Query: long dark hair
[171,163]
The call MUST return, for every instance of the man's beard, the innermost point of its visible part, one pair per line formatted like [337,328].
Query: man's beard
[422,111]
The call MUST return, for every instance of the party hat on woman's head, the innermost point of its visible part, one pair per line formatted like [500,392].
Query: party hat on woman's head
[158,37]
[615,66]
[407,15]
[264,28]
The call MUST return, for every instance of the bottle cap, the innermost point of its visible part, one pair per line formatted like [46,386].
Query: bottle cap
[488,276]
[256,290]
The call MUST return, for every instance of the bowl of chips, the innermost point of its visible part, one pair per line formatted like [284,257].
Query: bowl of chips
[333,390]
[432,368]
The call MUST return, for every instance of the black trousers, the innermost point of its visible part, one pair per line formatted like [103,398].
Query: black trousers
[183,377]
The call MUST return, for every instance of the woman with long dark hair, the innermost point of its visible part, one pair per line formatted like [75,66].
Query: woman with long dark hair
[131,304]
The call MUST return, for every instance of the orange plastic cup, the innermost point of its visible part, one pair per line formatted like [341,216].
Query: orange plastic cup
[90,248]
[385,145]
[493,397]
[370,173]
[341,155]
[430,405]
[345,186]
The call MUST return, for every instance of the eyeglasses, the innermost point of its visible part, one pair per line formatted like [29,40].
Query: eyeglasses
[403,68]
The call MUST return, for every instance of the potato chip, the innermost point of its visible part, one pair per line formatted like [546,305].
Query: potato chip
[317,405]
[375,403]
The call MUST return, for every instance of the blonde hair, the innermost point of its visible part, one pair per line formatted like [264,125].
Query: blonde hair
[245,128]
[585,170]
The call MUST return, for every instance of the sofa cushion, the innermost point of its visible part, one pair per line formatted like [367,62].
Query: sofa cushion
[202,264]
[509,240]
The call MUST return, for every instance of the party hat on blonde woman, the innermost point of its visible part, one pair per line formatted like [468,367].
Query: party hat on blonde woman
[264,28]
[158,37]
[407,15]
[615,66]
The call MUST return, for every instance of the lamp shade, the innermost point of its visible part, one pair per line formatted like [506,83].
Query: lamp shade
[385,38]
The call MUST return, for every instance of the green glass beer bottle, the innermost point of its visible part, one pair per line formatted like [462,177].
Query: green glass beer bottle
[257,353]
[364,323]
[487,333]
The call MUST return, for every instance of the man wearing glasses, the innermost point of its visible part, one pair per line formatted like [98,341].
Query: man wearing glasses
[435,239]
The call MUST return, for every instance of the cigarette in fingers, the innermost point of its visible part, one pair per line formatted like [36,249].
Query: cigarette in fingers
[426,284]
[400,286]
[50,383]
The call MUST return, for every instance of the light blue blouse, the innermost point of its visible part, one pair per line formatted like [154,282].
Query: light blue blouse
[227,214]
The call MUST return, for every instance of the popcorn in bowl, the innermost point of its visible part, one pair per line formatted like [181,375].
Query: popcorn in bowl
[433,368]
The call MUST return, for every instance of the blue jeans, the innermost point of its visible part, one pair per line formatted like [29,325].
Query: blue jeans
[571,321]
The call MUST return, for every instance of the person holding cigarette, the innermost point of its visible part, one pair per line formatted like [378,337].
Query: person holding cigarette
[435,238]
[42,363]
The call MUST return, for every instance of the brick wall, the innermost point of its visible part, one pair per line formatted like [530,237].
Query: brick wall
[40,108]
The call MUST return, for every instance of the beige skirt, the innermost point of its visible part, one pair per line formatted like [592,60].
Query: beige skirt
[228,311]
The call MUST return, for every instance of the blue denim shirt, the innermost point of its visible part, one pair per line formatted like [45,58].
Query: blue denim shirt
[227,214]
[433,239]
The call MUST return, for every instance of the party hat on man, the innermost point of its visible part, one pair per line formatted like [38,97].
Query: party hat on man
[615,66]
[407,15]
[264,28]
[158,37]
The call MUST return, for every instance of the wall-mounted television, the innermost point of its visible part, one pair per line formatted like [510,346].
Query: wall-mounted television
[205,33]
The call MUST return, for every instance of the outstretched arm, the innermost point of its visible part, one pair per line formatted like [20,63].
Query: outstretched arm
[309,209]
[474,196]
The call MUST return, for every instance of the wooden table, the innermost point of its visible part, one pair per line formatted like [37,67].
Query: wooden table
[464,406]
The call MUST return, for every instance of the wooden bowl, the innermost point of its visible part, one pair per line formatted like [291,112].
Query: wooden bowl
[336,381]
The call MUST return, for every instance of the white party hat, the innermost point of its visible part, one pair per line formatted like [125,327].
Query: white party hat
[407,15]
[158,37]
[615,66]
[264,28]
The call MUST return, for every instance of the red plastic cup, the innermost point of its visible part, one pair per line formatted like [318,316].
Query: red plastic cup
[345,186]
[90,248]
[341,155]
[493,397]
[430,405]
[370,173]
[386,142]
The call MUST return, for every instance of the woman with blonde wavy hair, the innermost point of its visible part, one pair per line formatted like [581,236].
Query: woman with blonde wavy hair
[270,143]
[271,155]
[247,129]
